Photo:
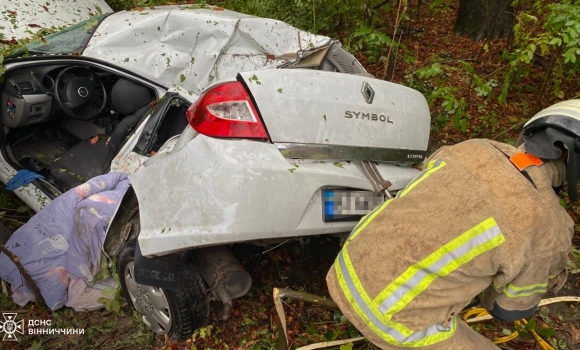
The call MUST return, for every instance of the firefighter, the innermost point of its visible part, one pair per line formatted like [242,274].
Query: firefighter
[482,219]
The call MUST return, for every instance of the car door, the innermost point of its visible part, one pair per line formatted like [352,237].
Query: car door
[166,121]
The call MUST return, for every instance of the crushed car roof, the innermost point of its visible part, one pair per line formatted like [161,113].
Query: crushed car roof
[192,46]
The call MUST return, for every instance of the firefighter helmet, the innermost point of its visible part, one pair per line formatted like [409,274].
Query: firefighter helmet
[553,132]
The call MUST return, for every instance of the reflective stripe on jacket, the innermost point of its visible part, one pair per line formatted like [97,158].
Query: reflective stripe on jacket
[469,221]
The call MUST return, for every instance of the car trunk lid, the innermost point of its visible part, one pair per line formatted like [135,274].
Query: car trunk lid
[317,114]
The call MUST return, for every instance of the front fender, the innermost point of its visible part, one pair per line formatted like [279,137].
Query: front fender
[124,225]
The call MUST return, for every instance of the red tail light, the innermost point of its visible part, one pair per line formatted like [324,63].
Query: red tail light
[226,111]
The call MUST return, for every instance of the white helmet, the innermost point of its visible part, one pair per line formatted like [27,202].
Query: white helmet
[553,130]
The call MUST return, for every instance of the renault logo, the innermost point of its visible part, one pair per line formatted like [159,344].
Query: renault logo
[83,92]
[368,92]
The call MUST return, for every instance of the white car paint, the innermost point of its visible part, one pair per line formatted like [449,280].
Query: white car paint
[209,191]
[219,191]
[23,18]
[193,46]
[223,191]
[397,118]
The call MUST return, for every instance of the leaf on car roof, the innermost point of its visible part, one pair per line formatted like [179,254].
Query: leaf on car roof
[255,78]
[182,78]
[338,165]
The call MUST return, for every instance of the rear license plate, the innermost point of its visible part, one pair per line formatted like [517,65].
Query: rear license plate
[343,205]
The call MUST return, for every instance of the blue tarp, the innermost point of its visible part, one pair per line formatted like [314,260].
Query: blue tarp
[63,241]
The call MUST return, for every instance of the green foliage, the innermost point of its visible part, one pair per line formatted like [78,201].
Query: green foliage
[555,41]
[111,298]
[347,346]
[310,15]
[573,262]
[368,40]
[356,22]
[440,6]
[446,99]
[37,345]
[118,5]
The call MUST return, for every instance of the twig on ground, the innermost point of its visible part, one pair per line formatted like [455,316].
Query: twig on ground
[400,11]
[12,220]
[267,250]
[518,125]
[29,281]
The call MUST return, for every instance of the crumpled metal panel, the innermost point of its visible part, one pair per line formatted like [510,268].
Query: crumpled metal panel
[21,18]
[191,47]
[217,191]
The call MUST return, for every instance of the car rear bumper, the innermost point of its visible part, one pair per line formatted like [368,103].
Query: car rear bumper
[216,191]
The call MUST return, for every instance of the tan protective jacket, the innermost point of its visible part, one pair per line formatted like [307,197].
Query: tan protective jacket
[469,223]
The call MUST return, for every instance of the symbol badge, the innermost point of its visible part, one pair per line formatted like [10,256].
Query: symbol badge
[368,92]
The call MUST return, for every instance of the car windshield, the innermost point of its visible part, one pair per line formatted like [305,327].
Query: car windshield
[69,40]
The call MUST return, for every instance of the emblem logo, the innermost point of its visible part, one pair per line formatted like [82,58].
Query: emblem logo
[10,326]
[83,92]
[368,92]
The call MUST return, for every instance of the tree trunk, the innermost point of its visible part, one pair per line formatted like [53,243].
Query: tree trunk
[481,19]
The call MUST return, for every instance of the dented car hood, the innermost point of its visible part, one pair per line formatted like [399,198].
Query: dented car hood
[190,47]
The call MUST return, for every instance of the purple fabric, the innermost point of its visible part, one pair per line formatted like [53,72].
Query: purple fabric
[65,238]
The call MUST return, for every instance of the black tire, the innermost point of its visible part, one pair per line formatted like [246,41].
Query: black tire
[188,305]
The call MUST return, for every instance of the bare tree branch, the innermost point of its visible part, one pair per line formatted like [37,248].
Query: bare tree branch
[29,281]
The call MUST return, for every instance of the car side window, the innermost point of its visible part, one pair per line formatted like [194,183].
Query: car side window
[172,123]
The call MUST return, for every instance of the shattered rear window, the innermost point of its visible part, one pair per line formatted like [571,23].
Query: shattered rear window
[69,40]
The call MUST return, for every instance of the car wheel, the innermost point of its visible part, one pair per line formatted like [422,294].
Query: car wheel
[175,312]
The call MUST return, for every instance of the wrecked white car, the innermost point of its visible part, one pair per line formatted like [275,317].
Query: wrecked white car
[22,18]
[233,128]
